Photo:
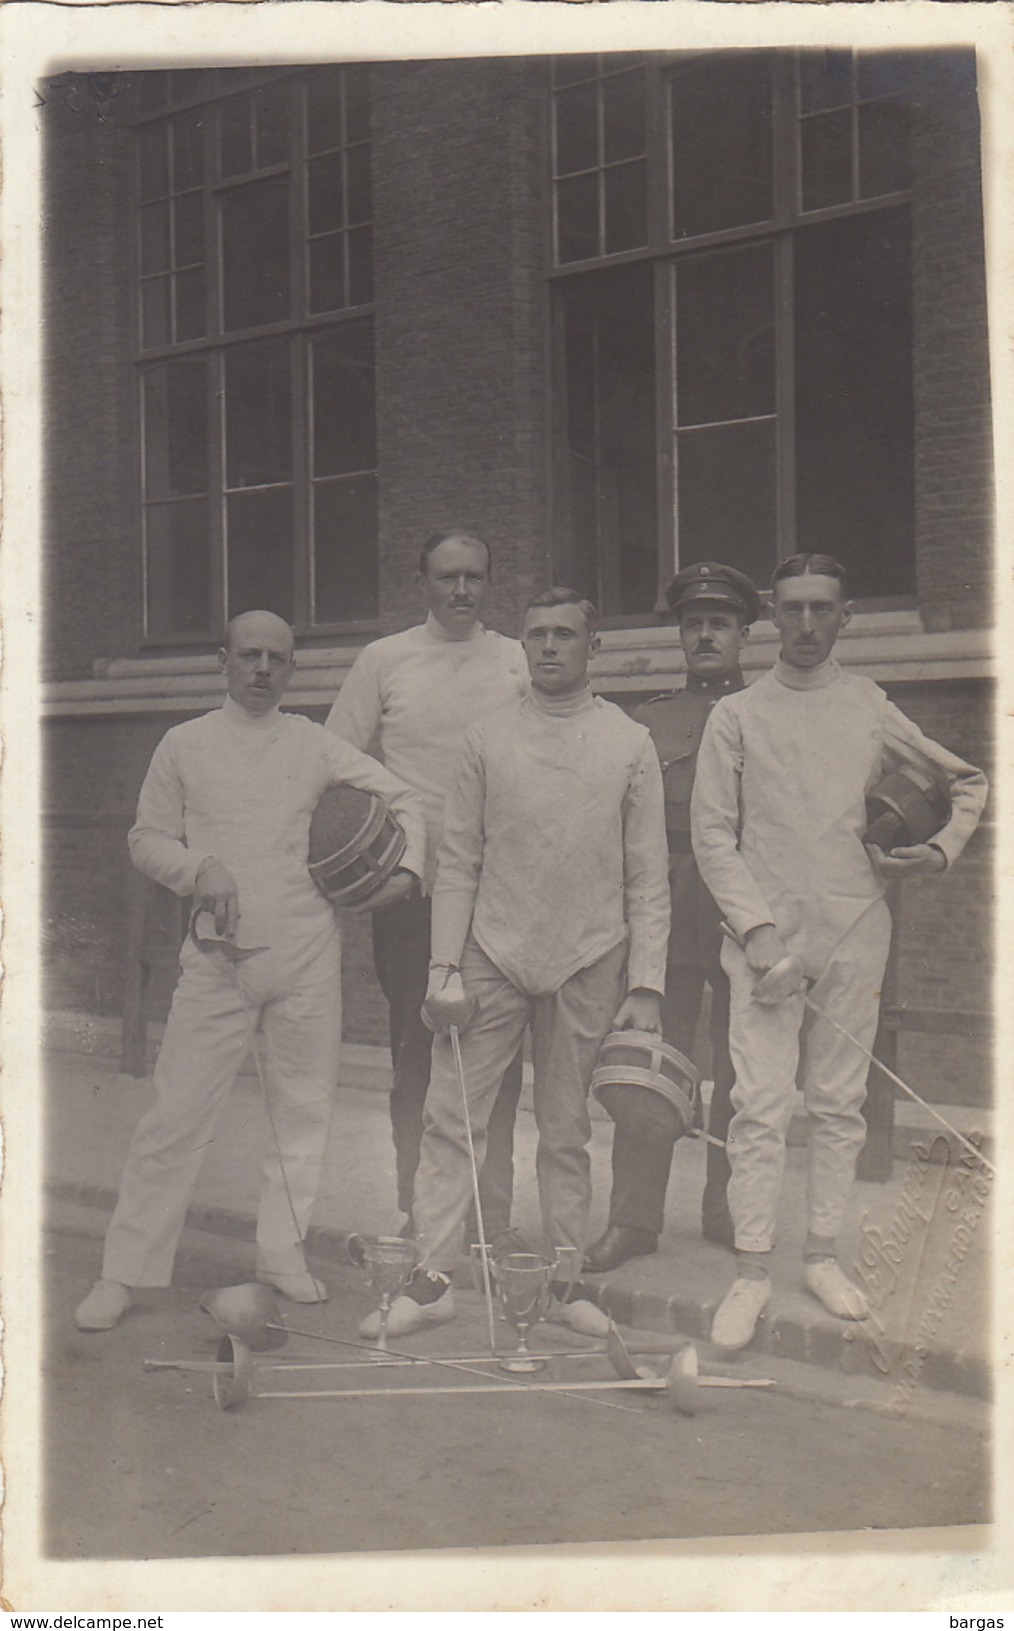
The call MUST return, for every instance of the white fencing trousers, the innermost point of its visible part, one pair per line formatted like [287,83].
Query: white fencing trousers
[568,1027]
[773,1047]
[206,1039]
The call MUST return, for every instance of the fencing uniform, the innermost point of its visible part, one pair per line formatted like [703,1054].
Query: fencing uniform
[242,788]
[644,1139]
[552,873]
[414,695]
[778,816]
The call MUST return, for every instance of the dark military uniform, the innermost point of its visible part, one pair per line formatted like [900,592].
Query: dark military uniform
[643,1143]
[645,1133]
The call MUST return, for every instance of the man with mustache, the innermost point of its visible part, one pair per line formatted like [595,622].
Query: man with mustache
[224,816]
[714,606]
[409,698]
[778,817]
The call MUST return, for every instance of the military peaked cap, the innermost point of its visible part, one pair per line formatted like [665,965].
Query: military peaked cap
[709,580]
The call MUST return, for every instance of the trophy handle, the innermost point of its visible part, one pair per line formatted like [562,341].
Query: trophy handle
[355,1250]
[567,1266]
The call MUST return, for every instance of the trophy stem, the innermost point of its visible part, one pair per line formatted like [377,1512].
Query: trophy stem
[385,1309]
[522,1363]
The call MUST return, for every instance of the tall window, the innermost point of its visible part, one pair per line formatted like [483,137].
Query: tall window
[255,347]
[732,293]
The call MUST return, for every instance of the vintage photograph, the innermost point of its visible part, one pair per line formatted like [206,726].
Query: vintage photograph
[517,815]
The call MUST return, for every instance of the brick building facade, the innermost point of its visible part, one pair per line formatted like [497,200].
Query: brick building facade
[509,293]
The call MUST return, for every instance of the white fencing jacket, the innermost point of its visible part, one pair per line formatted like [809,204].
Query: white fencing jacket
[554,845]
[779,803]
[242,788]
[415,694]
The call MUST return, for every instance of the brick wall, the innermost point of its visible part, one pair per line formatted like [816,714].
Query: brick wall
[92,565]
[947,924]
[953,450]
[458,178]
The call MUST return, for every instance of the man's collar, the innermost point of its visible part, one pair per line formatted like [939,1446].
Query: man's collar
[436,631]
[703,686]
[806,679]
[237,715]
[575,702]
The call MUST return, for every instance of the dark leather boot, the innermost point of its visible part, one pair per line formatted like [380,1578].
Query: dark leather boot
[716,1222]
[617,1246]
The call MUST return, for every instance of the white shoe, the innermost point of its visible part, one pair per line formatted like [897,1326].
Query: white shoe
[299,1288]
[408,1314]
[104,1306]
[736,1320]
[581,1315]
[835,1290]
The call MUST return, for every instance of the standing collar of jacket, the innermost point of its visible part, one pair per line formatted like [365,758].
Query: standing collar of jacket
[807,679]
[562,707]
[702,686]
[240,719]
[436,631]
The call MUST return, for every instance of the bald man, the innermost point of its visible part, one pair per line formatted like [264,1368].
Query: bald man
[224,816]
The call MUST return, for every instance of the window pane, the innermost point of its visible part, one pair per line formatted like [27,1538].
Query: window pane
[345,549]
[235,146]
[153,91]
[885,155]
[230,78]
[567,69]
[825,80]
[626,207]
[888,73]
[725,486]
[577,217]
[327,273]
[624,117]
[357,161]
[323,112]
[357,103]
[827,159]
[271,114]
[255,254]
[155,312]
[154,238]
[854,412]
[577,142]
[360,250]
[344,409]
[189,245]
[607,544]
[178,567]
[259,552]
[188,150]
[725,350]
[176,429]
[189,83]
[190,311]
[153,162]
[326,193]
[258,415]
[722,144]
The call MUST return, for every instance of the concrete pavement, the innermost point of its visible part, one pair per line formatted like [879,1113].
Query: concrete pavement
[921,1242]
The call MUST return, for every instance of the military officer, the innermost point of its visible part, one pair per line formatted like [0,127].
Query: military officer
[714,605]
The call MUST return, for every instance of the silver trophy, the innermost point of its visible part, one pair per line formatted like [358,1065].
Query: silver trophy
[387,1261]
[523,1282]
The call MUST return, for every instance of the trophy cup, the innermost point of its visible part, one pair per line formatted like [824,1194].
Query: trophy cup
[523,1281]
[387,1261]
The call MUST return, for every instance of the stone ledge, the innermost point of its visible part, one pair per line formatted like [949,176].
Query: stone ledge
[891,647]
